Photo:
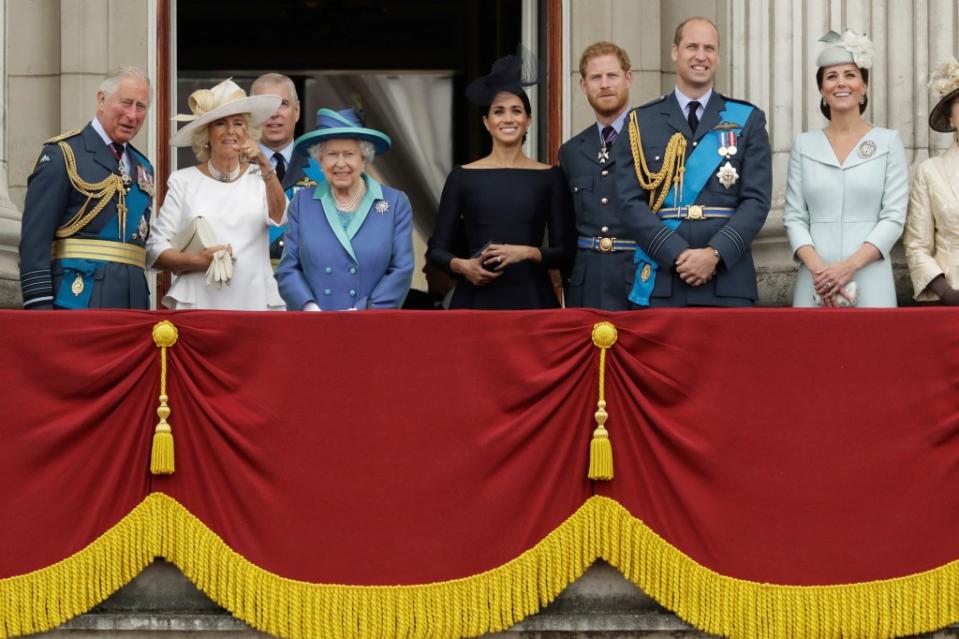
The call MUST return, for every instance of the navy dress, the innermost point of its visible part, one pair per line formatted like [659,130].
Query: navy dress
[505,206]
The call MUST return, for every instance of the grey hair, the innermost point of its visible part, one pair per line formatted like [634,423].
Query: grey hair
[200,140]
[269,79]
[113,78]
[367,150]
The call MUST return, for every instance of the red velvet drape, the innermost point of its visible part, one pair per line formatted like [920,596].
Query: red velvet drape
[783,446]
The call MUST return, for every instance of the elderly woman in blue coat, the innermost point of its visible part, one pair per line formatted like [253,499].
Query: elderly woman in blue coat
[349,244]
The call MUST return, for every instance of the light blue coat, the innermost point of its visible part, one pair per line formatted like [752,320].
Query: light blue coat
[369,264]
[835,208]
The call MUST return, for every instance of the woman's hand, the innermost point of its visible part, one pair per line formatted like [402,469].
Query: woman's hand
[249,151]
[472,269]
[829,280]
[499,256]
[202,260]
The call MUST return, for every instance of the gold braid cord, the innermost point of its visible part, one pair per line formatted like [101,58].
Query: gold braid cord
[670,175]
[103,192]
[162,460]
[600,448]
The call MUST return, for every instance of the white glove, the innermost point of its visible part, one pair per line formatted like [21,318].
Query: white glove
[220,270]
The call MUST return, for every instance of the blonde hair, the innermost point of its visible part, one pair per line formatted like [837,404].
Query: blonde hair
[200,141]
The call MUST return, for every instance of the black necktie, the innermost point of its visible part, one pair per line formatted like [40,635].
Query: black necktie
[280,166]
[692,118]
[609,134]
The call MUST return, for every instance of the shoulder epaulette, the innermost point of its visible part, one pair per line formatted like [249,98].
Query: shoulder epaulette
[658,100]
[63,136]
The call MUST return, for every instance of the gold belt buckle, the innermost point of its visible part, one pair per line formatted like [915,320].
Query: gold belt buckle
[695,212]
[605,244]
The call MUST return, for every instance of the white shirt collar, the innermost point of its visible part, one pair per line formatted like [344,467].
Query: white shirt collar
[107,140]
[286,152]
[616,124]
[684,102]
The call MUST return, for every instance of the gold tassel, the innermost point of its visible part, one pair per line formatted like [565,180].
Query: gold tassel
[601,448]
[161,456]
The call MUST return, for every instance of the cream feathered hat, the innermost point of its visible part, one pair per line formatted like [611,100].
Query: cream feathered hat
[848,48]
[945,82]
[226,98]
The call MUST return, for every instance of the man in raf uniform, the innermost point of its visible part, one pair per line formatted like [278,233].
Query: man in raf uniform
[694,178]
[87,210]
[277,144]
[603,271]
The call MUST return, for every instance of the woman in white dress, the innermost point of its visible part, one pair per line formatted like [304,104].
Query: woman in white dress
[236,193]
[846,189]
[932,228]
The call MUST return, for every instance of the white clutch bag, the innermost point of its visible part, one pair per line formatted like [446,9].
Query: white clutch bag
[851,289]
[195,238]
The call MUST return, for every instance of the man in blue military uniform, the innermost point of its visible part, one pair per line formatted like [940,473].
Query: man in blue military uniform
[276,142]
[87,210]
[694,180]
[603,271]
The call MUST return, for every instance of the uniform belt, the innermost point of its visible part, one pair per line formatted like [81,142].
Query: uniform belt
[696,212]
[102,250]
[606,244]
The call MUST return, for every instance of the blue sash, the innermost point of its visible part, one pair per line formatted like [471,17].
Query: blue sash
[137,202]
[700,165]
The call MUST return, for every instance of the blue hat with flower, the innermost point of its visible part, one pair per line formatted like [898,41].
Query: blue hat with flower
[338,125]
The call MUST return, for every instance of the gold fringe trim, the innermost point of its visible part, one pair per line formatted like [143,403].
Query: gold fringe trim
[487,602]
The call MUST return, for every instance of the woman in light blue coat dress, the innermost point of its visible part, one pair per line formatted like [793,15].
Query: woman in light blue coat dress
[349,245]
[846,191]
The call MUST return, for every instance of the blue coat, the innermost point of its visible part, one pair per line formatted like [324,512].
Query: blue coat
[51,201]
[735,281]
[367,265]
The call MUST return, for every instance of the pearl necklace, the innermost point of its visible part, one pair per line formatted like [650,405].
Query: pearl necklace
[220,176]
[350,205]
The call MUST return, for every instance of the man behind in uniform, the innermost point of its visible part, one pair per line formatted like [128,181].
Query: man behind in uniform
[694,177]
[87,210]
[277,144]
[603,271]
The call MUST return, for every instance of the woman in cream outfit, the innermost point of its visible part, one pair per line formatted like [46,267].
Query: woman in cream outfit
[932,228]
[846,189]
[235,190]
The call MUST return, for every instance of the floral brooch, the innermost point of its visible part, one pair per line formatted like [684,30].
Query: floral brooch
[382,207]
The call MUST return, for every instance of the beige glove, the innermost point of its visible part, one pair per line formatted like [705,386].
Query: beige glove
[220,271]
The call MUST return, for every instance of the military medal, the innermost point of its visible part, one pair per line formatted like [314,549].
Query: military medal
[77,287]
[727,175]
[603,155]
[143,229]
[646,273]
[145,181]
[727,138]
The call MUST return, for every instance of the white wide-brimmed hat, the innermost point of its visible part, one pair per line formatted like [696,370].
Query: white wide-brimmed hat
[226,98]
[945,82]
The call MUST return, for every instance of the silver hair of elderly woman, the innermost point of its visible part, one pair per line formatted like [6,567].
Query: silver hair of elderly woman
[200,140]
[113,78]
[366,150]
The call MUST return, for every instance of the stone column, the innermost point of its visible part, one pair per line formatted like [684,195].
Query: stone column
[9,215]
